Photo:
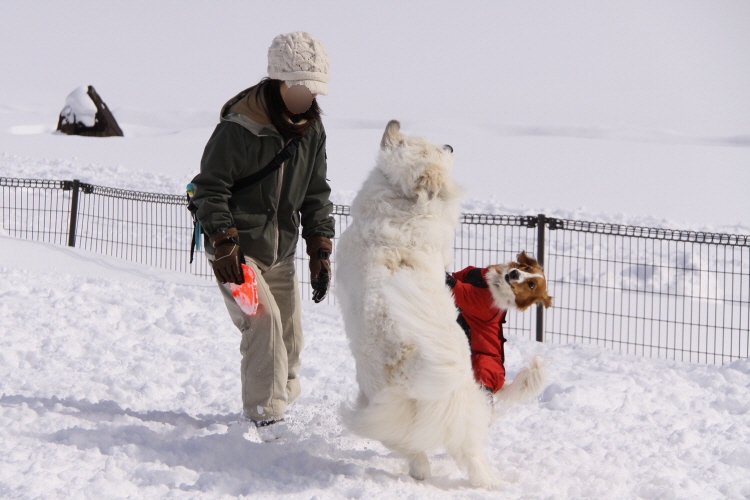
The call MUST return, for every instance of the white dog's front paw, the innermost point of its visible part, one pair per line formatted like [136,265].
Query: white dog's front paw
[419,466]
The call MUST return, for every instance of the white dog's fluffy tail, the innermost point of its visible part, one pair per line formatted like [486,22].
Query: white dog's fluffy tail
[407,424]
[425,316]
[528,384]
[383,418]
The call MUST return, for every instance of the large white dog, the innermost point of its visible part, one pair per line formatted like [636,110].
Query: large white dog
[417,390]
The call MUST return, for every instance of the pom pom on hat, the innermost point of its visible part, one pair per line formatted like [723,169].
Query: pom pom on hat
[299,58]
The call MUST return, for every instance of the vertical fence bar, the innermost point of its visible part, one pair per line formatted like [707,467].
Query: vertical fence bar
[73,212]
[540,223]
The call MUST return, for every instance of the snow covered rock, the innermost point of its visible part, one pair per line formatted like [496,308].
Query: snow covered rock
[86,114]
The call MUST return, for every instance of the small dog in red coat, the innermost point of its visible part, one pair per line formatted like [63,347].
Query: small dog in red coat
[483,297]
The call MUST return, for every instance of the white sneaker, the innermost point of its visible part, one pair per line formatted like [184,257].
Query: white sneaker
[272,430]
[244,427]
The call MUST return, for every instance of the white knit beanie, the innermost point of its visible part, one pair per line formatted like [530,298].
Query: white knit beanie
[299,58]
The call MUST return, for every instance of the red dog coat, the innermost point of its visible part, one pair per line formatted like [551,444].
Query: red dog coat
[484,322]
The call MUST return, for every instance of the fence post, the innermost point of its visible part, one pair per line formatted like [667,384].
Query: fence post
[73,213]
[540,223]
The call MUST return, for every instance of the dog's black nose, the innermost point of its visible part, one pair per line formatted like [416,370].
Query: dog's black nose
[449,147]
[513,274]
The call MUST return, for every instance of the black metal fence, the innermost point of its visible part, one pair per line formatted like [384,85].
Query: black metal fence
[655,292]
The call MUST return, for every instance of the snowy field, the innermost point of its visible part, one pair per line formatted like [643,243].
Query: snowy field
[119,380]
[632,113]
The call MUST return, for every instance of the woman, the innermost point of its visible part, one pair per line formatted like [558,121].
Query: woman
[259,224]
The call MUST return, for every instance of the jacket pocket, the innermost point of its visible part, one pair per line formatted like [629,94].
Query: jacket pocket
[247,221]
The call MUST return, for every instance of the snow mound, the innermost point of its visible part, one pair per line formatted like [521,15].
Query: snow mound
[79,108]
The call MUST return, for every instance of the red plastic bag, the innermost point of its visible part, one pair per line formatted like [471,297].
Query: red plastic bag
[246,294]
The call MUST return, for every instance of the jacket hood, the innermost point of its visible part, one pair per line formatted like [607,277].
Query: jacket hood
[245,104]
[246,111]
[243,110]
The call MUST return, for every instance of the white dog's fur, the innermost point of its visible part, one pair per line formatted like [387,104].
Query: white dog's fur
[417,388]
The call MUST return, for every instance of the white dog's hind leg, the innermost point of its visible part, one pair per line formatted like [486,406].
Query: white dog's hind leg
[480,472]
[471,456]
[419,466]
[472,418]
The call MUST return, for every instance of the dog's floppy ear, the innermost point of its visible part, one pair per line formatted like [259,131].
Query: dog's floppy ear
[392,135]
[546,301]
[430,182]
[525,260]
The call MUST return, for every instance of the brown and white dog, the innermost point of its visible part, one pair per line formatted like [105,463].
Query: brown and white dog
[483,296]
[519,284]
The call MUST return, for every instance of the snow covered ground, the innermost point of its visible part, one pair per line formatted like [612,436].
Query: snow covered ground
[119,380]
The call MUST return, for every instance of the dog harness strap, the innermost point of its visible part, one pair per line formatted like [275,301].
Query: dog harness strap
[474,278]
[465,327]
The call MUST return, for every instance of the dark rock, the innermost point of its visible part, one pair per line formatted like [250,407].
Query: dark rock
[104,124]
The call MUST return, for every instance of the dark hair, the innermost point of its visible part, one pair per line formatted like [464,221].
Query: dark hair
[275,108]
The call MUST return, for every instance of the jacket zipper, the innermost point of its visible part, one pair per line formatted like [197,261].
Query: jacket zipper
[276,214]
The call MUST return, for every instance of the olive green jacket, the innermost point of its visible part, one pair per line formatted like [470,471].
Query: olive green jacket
[268,214]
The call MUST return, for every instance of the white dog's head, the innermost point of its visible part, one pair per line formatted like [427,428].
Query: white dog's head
[414,165]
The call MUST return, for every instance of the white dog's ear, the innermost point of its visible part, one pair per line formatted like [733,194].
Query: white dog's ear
[392,135]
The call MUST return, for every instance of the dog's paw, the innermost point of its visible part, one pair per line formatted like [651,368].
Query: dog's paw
[419,466]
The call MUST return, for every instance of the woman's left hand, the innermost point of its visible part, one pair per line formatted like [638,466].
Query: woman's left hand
[319,249]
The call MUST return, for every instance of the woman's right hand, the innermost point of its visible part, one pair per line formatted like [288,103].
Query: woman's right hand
[228,257]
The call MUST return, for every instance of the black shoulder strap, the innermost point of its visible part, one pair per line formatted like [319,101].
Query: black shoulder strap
[272,166]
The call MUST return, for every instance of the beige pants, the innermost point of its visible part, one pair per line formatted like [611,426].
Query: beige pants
[271,340]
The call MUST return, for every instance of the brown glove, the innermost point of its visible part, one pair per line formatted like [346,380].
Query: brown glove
[319,249]
[228,256]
